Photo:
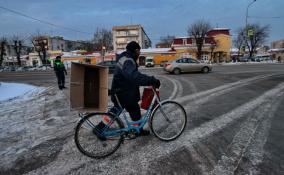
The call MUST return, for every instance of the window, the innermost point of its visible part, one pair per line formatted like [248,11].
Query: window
[204,57]
[182,60]
[121,40]
[133,32]
[121,33]
[192,61]
[184,41]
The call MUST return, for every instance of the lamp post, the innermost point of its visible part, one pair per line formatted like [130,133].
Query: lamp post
[246,27]
[103,52]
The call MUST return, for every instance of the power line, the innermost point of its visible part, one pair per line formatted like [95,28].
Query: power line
[42,21]
[262,17]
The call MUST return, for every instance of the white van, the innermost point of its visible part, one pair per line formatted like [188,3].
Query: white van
[149,62]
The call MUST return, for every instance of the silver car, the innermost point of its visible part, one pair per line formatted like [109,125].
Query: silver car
[180,65]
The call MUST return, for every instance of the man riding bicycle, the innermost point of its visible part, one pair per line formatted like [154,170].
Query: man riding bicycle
[127,80]
[167,120]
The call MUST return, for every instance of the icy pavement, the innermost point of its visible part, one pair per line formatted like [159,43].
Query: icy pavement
[9,91]
[33,127]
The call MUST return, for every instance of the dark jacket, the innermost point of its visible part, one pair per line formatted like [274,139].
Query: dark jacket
[127,79]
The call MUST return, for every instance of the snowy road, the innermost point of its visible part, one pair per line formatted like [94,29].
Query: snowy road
[235,122]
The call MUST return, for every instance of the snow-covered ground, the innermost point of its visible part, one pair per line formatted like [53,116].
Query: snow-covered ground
[10,91]
[34,123]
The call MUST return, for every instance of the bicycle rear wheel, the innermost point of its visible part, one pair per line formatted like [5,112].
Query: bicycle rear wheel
[93,145]
[168,120]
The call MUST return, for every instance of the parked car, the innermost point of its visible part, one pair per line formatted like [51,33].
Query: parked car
[110,64]
[149,62]
[180,65]
[245,59]
[260,58]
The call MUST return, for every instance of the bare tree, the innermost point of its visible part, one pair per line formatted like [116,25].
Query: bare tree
[239,41]
[167,40]
[256,36]
[198,30]
[17,44]
[103,39]
[40,44]
[3,45]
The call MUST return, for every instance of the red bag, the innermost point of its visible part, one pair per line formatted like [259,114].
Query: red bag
[147,97]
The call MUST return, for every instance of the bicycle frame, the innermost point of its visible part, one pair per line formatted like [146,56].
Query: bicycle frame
[130,125]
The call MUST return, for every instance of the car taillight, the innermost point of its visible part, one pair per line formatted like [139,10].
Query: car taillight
[167,64]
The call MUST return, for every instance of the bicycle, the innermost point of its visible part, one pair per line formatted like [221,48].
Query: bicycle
[167,121]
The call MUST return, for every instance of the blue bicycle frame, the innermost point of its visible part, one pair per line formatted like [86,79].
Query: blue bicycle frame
[141,123]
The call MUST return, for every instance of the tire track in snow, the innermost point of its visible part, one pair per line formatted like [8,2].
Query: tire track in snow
[190,84]
[177,90]
[255,150]
[207,95]
[236,150]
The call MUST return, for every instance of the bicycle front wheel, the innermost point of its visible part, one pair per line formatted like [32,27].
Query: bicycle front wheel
[90,143]
[168,120]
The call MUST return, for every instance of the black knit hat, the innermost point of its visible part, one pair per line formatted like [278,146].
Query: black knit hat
[132,46]
[58,58]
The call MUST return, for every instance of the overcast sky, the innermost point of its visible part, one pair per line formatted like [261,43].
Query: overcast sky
[158,17]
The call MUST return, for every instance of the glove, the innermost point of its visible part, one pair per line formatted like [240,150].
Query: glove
[156,83]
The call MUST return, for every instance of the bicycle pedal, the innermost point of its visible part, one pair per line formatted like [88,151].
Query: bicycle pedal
[131,136]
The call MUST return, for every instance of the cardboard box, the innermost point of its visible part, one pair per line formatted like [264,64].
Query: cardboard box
[88,87]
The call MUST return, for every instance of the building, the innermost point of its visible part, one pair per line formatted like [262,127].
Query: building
[158,54]
[52,47]
[59,43]
[277,50]
[10,59]
[124,34]
[163,45]
[277,44]
[216,46]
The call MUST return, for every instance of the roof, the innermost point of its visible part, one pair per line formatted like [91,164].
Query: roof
[234,49]
[276,50]
[156,50]
[126,27]
[220,29]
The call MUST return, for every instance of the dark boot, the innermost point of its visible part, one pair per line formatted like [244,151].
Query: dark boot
[98,131]
[144,132]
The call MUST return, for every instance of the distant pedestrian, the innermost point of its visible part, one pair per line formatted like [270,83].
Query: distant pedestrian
[60,72]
